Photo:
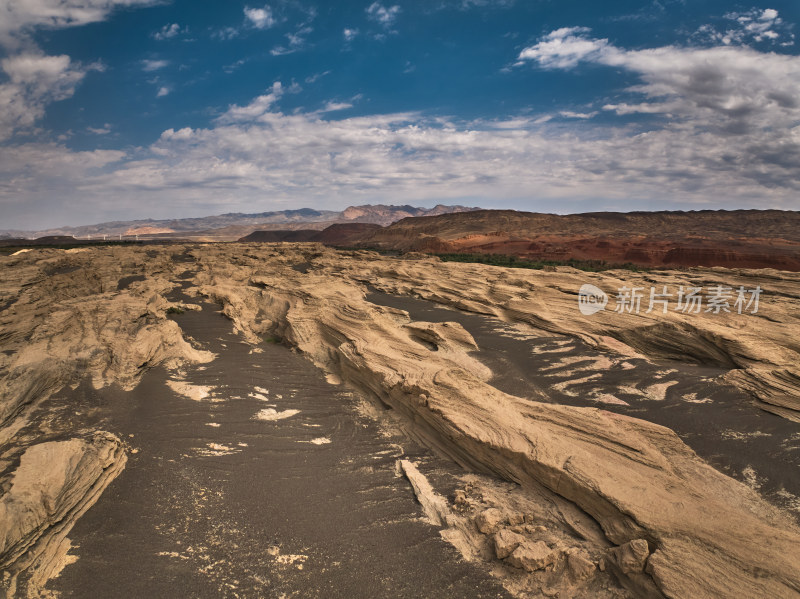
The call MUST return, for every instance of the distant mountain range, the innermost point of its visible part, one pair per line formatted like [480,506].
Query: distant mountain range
[226,227]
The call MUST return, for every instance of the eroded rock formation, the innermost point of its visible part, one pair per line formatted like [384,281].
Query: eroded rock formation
[634,499]
[69,316]
[636,479]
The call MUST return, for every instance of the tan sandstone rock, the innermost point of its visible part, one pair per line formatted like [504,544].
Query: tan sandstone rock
[532,556]
[631,557]
[489,521]
[505,542]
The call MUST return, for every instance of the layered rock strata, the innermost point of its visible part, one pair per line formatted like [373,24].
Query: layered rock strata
[667,523]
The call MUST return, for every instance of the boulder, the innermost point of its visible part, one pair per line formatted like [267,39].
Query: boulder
[532,556]
[505,542]
[489,521]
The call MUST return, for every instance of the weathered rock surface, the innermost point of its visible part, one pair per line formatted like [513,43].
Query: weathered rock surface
[54,484]
[580,566]
[434,506]
[65,317]
[489,521]
[505,542]
[632,556]
[532,556]
[68,319]
[759,349]
[637,480]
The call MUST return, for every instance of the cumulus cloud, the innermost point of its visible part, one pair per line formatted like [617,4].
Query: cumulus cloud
[104,130]
[296,41]
[169,31]
[349,34]
[334,106]
[728,89]
[256,109]
[163,91]
[754,25]
[569,114]
[256,151]
[260,18]
[35,80]
[381,14]
[724,131]
[565,48]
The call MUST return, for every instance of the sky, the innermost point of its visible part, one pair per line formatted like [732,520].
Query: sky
[124,109]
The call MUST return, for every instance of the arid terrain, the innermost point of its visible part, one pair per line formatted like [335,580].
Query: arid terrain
[733,239]
[397,426]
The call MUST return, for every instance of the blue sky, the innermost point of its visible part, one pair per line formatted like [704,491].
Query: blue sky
[121,109]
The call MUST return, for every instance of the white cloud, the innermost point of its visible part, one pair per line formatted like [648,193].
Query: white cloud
[349,34]
[154,65]
[169,31]
[730,138]
[104,130]
[260,18]
[727,89]
[226,33]
[381,14]
[467,4]
[564,48]
[568,114]
[257,108]
[317,76]
[35,80]
[754,25]
[255,151]
[334,106]
[18,17]
[163,91]
[297,41]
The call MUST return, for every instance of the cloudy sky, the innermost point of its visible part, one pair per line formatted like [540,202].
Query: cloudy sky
[121,109]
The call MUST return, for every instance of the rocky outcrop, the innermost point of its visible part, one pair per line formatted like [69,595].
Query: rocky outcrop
[759,349]
[636,479]
[343,234]
[53,485]
[69,320]
[618,482]
[65,317]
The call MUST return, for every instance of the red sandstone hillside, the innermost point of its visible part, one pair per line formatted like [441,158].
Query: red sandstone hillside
[737,238]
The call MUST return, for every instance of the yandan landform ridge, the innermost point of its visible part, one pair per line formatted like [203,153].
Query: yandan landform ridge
[617,454]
